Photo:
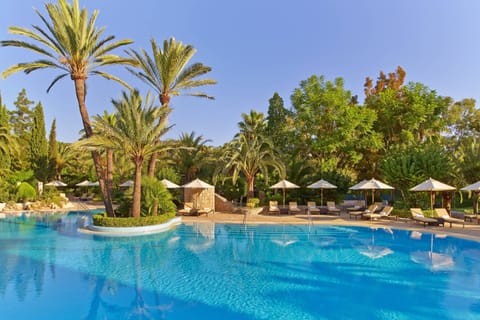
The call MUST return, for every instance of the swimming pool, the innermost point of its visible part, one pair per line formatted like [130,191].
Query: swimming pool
[205,271]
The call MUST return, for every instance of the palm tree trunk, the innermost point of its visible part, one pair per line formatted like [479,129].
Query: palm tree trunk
[250,186]
[152,164]
[137,189]
[109,178]
[80,92]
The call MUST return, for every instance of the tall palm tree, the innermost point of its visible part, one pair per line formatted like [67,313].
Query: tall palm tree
[251,152]
[72,43]
[168,73]
[135,132]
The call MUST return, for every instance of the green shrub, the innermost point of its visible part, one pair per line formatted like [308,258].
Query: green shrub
[153,191]
[25,192]
[102,220]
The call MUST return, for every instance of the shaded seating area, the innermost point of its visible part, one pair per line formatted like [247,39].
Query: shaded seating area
[443,214]
[417,215]
[359,214]
[188,209]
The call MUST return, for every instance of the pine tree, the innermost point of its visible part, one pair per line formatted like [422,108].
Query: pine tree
[53,152]
[38,145]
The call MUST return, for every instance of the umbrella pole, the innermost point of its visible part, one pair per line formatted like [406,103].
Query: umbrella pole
[283,196]
[321,197]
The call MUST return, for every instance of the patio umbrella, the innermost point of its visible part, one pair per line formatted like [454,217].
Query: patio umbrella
[372,184]
[84,183]
[433,260]
[284,184]
[127,184]
[322,184]
[94,184]
[475,188]
[432,186]
[169,184]
[56,183]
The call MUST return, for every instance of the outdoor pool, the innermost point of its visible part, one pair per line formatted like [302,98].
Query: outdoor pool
[48,270]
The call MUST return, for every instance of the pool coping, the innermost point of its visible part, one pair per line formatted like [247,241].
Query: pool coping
[131,231]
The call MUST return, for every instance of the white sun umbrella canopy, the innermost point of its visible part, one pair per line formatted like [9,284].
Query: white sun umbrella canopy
[372,184]
[56,183]
[84,183]
[284,184]
[169,184]
[472,187]
[127,184]
[432,186]
[198,184]
[322,184]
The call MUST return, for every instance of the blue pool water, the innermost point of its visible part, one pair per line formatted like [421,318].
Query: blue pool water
[204,271]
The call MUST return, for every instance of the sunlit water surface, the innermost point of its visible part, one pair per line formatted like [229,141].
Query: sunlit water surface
[48,270]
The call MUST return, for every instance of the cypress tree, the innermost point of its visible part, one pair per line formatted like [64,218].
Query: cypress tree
[5,157]
[38,145]
[53,152]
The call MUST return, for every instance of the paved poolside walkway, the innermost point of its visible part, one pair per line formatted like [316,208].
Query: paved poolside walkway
[471,230]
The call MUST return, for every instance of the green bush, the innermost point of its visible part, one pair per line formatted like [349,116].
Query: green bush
[25,192]
[101,220]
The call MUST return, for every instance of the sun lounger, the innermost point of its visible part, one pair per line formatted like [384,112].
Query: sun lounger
[188,209]
[417,215]
[312,207]
[293,208]
[273,208]
[383,214]
[332,208]
[443,214]
[357,214]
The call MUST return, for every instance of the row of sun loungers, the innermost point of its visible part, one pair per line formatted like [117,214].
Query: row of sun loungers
[442,214]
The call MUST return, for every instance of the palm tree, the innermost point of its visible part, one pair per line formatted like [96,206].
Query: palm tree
[71,42]
[135,132]
[191,156]
[251,152]
[168,73]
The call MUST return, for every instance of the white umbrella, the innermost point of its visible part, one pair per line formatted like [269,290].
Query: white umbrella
[56,183]
[475,188]
[284,184]
[127,184]
[372,184]
[322,184]
[84,183]
[94,184]
[169,184]
[432,186]
[197,184]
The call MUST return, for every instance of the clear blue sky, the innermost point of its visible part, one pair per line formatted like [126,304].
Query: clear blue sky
[258,47]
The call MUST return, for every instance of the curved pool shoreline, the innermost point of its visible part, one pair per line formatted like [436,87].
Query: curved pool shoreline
[131,231]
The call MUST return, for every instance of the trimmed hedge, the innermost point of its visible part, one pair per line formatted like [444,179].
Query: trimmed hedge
[101,220]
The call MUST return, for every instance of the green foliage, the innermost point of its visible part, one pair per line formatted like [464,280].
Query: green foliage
[155,195]
[53,158]
[102,220]
[329,126]
[25,192]
[405,168]
[39,145]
